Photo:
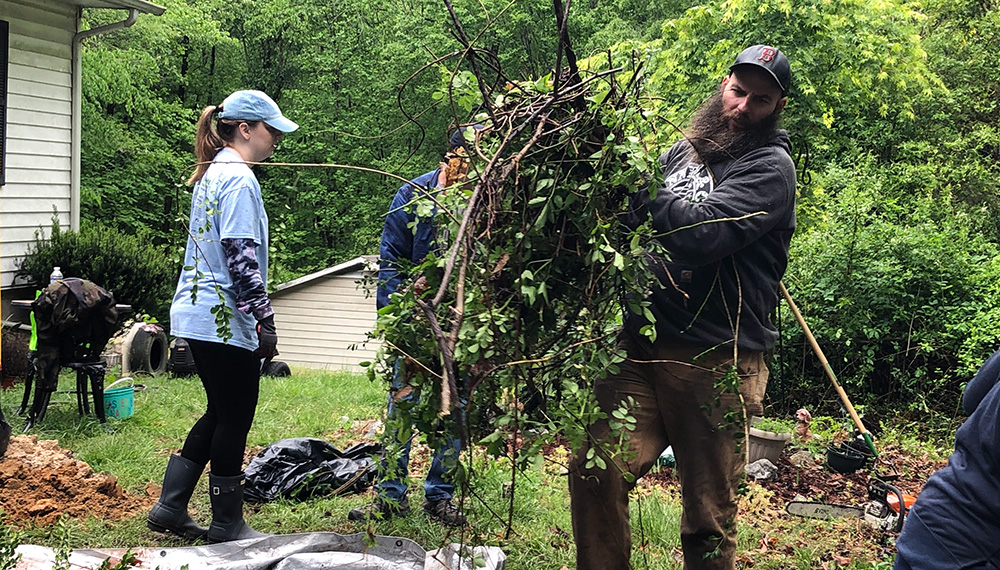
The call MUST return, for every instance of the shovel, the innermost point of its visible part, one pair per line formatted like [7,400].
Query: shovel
[829,371]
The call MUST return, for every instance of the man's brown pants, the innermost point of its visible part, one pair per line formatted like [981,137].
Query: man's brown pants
[678,401]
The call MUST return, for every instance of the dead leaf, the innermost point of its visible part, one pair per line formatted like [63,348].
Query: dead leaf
[841,560]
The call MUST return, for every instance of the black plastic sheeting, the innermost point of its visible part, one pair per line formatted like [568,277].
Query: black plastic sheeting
[302,467]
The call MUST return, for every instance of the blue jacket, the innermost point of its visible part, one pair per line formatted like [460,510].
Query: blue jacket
[955,522]
[402,245]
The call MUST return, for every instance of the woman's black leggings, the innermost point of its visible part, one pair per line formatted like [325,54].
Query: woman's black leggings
[231,377]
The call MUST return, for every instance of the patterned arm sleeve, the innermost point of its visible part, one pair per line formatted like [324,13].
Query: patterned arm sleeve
[251,292]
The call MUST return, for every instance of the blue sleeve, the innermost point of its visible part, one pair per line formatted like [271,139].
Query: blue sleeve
[396,246]
[238,213]
[981,384]
[423,240]
[401,245]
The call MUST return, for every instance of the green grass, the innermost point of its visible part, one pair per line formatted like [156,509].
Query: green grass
[339,407]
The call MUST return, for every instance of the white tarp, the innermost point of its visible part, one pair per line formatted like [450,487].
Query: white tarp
[307,551]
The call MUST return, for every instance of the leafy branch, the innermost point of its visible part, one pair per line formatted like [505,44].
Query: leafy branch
[523,304]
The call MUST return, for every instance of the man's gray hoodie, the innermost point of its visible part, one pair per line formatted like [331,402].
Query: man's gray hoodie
[727,229]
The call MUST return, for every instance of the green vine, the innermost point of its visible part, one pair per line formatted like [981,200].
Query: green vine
[222,313]
[62,534]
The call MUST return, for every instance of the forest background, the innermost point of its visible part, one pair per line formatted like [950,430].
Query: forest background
[893,114]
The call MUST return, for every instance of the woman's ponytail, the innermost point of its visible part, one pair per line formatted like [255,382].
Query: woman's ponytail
[207,142]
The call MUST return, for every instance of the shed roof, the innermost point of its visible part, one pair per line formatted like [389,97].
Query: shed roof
[140,5]
[363,262]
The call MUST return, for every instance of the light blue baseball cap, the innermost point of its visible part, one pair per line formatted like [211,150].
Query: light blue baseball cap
[253,105]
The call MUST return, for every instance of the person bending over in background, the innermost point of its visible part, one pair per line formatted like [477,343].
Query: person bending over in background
[226,252]
[403,247]
[726,216]
[955,522]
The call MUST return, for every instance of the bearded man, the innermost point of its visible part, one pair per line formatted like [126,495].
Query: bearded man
[692,379]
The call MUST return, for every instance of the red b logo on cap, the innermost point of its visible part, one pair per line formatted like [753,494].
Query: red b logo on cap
[767,54]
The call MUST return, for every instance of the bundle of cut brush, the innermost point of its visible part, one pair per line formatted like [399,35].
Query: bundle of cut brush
[524,303]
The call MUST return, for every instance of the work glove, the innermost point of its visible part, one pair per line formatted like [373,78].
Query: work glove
[267,338]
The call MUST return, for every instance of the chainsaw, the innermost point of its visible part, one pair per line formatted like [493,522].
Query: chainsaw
[886,508]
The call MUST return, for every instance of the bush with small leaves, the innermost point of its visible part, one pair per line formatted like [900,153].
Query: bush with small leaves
[135,271]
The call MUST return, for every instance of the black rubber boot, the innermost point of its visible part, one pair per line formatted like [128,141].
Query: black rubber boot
[227,510]
[170,514]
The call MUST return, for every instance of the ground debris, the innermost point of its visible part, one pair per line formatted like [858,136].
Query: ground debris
[814,481]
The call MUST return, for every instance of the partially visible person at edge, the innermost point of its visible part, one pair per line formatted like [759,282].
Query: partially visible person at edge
[955,522]
[726,217]
[227,247]
[402,248]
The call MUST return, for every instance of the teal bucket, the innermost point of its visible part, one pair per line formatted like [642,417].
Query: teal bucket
[119,402]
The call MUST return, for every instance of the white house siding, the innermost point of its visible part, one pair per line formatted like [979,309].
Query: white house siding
[39,109]
[320,320]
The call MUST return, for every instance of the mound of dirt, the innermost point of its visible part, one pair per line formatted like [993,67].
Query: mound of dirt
[40,482]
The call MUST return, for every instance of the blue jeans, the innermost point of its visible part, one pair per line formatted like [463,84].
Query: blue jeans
[436,485]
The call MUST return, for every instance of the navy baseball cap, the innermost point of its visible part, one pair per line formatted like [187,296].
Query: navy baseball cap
[252,105]
[771,60]
[458,136]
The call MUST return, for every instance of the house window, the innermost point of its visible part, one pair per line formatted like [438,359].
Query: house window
[4,30]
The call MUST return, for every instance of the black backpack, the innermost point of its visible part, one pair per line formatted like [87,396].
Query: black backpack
[74,319]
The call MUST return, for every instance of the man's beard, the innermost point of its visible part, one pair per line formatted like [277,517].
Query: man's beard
[715,139]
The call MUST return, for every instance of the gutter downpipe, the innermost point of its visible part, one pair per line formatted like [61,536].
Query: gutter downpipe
[77,96]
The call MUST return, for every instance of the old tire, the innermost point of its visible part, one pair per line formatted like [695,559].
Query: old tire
[148,352]
[276,368]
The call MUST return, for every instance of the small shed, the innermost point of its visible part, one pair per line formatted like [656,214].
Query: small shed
[323,318]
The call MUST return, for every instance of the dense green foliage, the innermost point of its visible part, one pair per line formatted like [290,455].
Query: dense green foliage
[342,70]
[134,271]
[893,113]
[142,92]
[903,295]
[896,264]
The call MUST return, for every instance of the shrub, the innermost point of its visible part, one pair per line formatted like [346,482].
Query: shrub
[136,272]
[900,293]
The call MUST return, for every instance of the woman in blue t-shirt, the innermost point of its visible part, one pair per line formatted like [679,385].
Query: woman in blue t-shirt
[225,261]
